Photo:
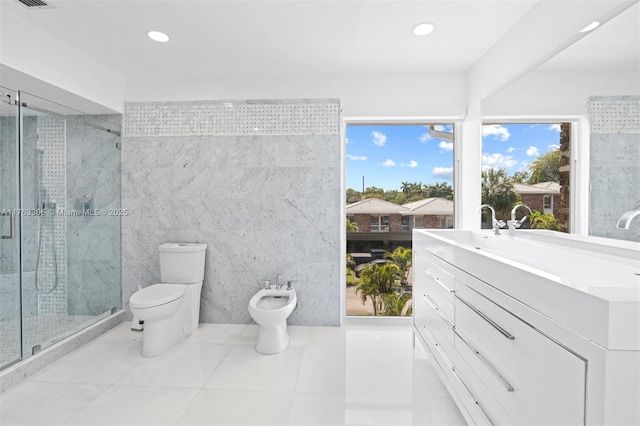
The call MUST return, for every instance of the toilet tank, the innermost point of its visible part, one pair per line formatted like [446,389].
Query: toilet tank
[182,263]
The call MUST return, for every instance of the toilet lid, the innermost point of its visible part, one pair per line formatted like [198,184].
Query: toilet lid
[156,295]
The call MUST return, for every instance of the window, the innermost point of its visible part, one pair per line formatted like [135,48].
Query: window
[379,223]
[547,204]
[398,177]
[521,163]
[406,223]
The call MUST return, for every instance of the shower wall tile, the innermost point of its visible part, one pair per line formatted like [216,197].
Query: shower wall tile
[265,201]
[94,246]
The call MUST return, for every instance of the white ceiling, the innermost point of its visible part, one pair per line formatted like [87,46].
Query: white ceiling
[265,37]
[236,38]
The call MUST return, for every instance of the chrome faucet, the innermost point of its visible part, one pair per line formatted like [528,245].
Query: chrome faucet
[496,224]
[278,282]
[625,220]
[518,223]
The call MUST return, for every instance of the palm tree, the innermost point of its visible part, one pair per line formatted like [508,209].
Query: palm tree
[402,257]
[393,304]
[497,190]
[376,280]
[352,226]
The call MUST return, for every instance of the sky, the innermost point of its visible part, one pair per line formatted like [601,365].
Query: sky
[388,155]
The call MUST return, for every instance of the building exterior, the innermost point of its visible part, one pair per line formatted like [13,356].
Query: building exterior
[386,224]
[543,197]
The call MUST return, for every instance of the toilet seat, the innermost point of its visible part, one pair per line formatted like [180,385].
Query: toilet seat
[156,295]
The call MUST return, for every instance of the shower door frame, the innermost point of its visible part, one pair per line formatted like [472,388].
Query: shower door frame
[15,223]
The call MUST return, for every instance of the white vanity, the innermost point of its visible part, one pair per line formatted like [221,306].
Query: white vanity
[537,328]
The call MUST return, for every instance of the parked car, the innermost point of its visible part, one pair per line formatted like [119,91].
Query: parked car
[373,254]
[360,267]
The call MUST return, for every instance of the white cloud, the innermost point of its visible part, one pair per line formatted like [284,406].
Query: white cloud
[356,157]
[497,161]
[442,173]
[510,149]
[388,163]
[497,131]
[553,147]
[443,128]
[347,141]
[554,128]
[411,164]
[379,139]
[446,146]
[425,137]
[532,151]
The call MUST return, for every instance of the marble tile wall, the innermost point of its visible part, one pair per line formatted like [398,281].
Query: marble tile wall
[94,249]
[266,203]
[614,165]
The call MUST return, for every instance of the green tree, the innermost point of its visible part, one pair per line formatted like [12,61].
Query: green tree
[402,257]
[544,221]
[374,192]
[497,190]
[439,190]
[376,280]
[352,226]
[520,177]
[393,304]
[353,196]
[545,168]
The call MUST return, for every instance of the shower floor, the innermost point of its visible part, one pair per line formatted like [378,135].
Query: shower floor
[42,330]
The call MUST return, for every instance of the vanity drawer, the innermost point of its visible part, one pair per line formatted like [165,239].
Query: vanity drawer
[427,313]
[441,269]
[517,390]
[429,278]
[531,362]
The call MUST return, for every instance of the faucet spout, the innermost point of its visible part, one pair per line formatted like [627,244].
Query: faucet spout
[278,281]
[496,224]
[518,223]
[625,220]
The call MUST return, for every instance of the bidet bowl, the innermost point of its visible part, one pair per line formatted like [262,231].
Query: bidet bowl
[270,308]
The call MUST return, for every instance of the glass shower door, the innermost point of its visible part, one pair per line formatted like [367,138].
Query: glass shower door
[10,295]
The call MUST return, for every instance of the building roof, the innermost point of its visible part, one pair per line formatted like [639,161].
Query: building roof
[545,188]
[429,207]
[375,206]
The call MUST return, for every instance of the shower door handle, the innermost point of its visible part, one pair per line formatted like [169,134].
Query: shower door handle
[12,225]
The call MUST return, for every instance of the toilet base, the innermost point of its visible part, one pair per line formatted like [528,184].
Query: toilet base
[161,335]
[272,340]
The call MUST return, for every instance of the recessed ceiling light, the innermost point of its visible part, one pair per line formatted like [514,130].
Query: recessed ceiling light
[592,26]
[158,36]
[424,29]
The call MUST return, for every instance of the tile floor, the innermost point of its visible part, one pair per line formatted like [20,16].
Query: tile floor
[350,375]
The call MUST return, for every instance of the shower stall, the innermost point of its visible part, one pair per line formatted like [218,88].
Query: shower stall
[59,222]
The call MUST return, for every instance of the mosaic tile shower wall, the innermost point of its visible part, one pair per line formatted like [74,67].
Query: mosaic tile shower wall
[51,141]
[258,181]
[614,164]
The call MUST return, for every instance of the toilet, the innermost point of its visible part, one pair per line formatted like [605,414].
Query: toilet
[171,309]
[270,308]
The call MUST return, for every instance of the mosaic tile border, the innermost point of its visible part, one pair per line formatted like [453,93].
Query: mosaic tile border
[614,114]
[213,118]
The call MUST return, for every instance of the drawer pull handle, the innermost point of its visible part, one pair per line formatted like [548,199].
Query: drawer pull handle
[455,373]
[434,306]
[502,331]
[438,280]
[486,362]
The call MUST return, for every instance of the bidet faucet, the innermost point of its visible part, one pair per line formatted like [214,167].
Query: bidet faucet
[278,281]
[518,223]
[625,220]
[289,284]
